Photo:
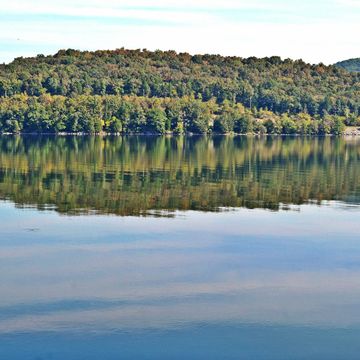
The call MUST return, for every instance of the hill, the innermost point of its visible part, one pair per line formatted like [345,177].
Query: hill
[352,65]
[136,91]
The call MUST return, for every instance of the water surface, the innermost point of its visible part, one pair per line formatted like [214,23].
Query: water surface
[174,248]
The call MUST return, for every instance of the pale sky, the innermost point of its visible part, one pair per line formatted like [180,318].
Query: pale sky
[314,30]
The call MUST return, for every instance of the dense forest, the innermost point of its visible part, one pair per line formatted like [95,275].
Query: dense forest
[139,91]
[141,175]
[350,65]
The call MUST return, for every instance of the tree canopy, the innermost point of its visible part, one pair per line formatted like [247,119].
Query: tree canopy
[137,91]
[350,65]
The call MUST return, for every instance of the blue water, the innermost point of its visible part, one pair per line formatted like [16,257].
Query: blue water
[238,284]
[179,248]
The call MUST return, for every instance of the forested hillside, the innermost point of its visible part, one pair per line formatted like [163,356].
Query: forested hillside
[138,91]
[350,65]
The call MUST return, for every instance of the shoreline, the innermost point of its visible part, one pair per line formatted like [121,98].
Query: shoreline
[352,131]
[346,133]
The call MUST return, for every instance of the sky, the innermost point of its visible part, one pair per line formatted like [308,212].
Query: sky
[313,30]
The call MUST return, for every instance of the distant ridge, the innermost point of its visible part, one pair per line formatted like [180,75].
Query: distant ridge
[158,92]
[352,65]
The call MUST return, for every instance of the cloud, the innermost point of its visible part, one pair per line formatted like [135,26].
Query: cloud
[320,31]
[349,3]
[110,7]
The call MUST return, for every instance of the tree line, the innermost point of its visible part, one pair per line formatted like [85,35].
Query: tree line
[137,91]
[143,115]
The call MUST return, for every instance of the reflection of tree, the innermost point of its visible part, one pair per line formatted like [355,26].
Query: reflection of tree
[129,176]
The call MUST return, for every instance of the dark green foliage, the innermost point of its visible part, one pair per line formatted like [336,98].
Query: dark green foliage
[134,91]
[352,120]
[350,65]
[289,126]
[196,117]
[114,125]
[244,124]
[156,121]
[224,124]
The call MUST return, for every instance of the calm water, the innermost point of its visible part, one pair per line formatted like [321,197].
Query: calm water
[179,248]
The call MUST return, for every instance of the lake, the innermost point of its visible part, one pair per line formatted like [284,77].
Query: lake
[179,248]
